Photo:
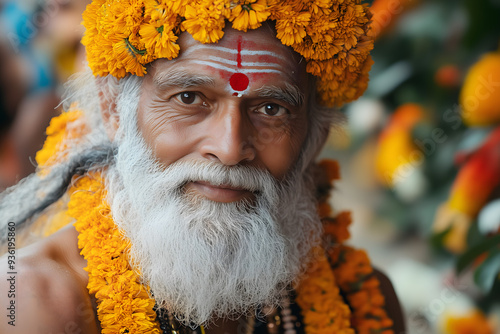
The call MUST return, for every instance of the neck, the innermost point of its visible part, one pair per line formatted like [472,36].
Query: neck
[222,326]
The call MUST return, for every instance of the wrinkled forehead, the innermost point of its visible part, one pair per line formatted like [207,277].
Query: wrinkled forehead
[253,52]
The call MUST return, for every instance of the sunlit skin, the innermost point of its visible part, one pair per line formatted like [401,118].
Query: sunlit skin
[262,125]
[234,102]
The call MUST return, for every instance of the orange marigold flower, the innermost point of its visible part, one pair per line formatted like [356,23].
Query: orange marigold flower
[354,275]
[324,210]
[125,59]
[160,41]
[448,76]
[474,323]
[338,228]
[291,26]
[320,6]
[205,21]
[385,13]
[320,50]
[480,95]
[176,6]
[249,14]
[332,169]
[158,36]
[61,128]
[396,147]
[478,177]
[337,32]
[319,278]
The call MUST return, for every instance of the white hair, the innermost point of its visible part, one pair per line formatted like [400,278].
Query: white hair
[24,202]
[204,259]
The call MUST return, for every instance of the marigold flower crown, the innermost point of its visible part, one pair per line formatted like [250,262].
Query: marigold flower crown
[333,36]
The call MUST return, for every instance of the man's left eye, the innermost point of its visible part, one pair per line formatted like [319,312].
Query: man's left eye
[272,109]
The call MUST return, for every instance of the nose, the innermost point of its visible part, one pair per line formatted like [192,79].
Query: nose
[229,138]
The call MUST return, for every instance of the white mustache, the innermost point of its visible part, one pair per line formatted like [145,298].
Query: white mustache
[178,174]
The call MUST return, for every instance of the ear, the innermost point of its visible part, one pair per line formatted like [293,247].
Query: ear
[107,104]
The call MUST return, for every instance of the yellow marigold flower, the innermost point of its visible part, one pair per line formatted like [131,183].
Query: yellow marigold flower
[90,19]
[158,36]
[124,60]
[292,29]
[121,17]
[322,23]
[318,295]
[396,147]
[473,323]
[337,32]
[249,14]
[480,95]
[61,128]
[205,21]
[160,41]
[178,6]
[320,6]
[321,50]
[385,15]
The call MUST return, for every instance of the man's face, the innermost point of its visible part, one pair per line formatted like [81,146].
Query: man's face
[237,102]
[206,183]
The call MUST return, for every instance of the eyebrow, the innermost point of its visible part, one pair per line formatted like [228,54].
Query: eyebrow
[290,94]
[181,79]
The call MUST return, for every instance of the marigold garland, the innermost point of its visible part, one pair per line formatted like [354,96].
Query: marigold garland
[124,304]
[320,301]
[60,129]
[352,270]
[122,36]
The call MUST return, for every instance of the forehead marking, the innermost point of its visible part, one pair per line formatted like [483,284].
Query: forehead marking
[238,57]
[220,49]
[239,81]
[243,63]
[229,69]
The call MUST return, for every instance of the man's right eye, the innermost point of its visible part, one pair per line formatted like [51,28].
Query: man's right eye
[189,98]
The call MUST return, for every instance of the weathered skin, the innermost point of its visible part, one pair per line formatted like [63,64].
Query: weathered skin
[221,118]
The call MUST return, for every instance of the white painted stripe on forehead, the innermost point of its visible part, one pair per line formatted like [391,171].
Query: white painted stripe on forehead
[231,51]
[243,63]
[229,69]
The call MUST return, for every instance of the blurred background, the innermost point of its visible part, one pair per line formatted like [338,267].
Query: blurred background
[419,154]
[420,161]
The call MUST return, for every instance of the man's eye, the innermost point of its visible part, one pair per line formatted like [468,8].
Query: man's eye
[272,109]
[189,98]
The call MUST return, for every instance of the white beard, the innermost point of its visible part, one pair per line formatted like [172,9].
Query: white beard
[203,259]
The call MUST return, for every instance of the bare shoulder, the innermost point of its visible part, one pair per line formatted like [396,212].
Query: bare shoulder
[46,288]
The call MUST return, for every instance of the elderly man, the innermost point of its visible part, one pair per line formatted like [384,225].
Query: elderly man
[186,165]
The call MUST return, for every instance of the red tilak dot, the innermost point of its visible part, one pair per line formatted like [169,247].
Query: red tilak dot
[239,82]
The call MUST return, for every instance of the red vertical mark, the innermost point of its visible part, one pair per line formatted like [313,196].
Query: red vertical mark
[239,81]
[238,57]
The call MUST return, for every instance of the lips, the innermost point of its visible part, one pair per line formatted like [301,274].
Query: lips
[219,193]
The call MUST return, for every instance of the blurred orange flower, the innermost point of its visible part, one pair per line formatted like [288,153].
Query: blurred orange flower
[385,13]
[480,95]
[477,179]
[448,76]
[474,323]
[61,128]
[473,186]
[395,145]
